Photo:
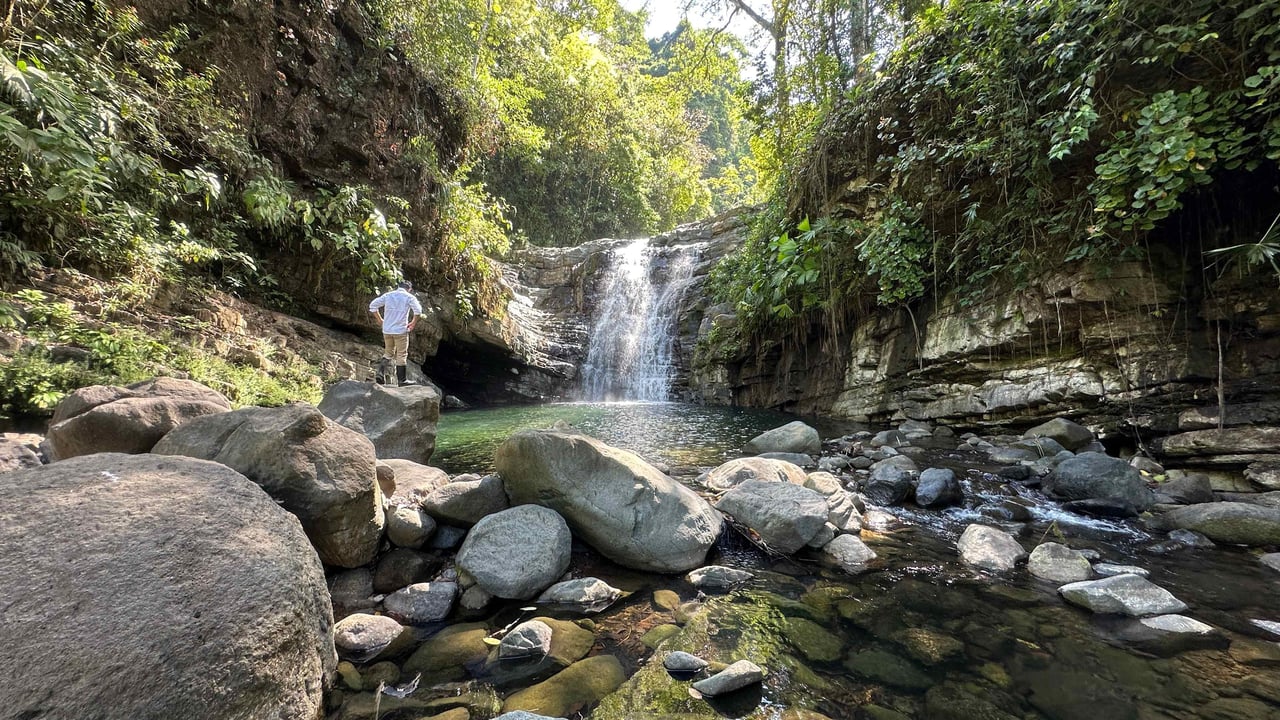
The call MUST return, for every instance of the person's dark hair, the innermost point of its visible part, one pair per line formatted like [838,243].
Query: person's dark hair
[405,284]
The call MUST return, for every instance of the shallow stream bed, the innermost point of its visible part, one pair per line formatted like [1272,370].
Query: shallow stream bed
[920,634]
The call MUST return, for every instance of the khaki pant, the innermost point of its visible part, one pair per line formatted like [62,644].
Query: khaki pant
[396,348]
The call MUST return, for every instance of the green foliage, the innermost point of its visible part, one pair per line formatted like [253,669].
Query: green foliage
[35,379]
[343,224]
[1003,138]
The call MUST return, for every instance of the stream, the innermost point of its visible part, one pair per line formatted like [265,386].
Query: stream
[920,635]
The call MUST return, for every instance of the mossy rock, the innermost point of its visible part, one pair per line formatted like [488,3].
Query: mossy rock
[952,702]
[569,643]
[813,641]
[786,606]
[876,712]
[582,683]
[666,599]
[445,655]
[885,667]
[929,647]
[826,598]
[804,675]
[659,634]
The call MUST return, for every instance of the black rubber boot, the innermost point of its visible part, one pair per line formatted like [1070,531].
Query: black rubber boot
[402,374]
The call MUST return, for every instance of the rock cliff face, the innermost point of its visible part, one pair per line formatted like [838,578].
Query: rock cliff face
[1125,348]
[535,351]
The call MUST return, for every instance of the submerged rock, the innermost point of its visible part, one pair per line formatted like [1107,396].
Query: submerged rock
[582,683]
[735,677]
[1168,635]
[785,516]
[1122,594]
[988,548]
[616,502]
[888,668]
[517,553]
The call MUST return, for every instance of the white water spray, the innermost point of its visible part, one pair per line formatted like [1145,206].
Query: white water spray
[631,353]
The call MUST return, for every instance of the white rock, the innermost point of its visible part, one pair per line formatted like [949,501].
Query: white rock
[987,548]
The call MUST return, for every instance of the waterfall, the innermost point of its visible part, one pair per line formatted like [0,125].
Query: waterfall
[631,351]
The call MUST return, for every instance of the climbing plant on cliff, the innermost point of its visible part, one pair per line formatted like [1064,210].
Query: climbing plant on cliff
[1004,138]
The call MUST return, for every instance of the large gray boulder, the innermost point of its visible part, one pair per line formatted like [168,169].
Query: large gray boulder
[794,437]
[1228,522]
[1068,434]
[517,553]
[138,586]
[737,471]
[401,421]
[1094,476]
[785,516]
[619,504]
[1122,594]
[315,468]
[107,418]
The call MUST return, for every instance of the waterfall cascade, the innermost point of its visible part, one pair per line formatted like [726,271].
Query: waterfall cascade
[631,351]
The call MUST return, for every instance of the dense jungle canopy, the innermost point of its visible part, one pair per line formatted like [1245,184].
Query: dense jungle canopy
[889,150]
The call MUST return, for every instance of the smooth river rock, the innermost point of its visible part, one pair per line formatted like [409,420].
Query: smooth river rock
[785,516]
[364,638]
[794,437]
[400,421]
[422,603]
[849,552]
[463,502]
[1066,433]
[988,548]
[1058,563]
[132,582]
[735,677]
[586,594]
[735,472]
[316,469]
[1122,594]
[718,578]
[517,553]
[619,504]
[938,487]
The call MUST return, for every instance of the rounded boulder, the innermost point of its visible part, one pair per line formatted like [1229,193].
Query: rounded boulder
[622,506]
[141,586]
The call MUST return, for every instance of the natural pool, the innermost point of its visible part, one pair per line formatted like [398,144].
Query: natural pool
[675,434]
[920,635]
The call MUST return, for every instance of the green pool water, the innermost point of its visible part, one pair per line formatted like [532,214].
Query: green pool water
[675,434]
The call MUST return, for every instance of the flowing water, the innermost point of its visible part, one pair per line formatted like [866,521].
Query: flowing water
[632,348]
[920,635]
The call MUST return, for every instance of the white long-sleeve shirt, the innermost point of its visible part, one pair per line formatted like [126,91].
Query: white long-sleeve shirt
[398,306]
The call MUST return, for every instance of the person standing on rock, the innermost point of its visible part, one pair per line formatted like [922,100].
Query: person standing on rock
[399,311]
